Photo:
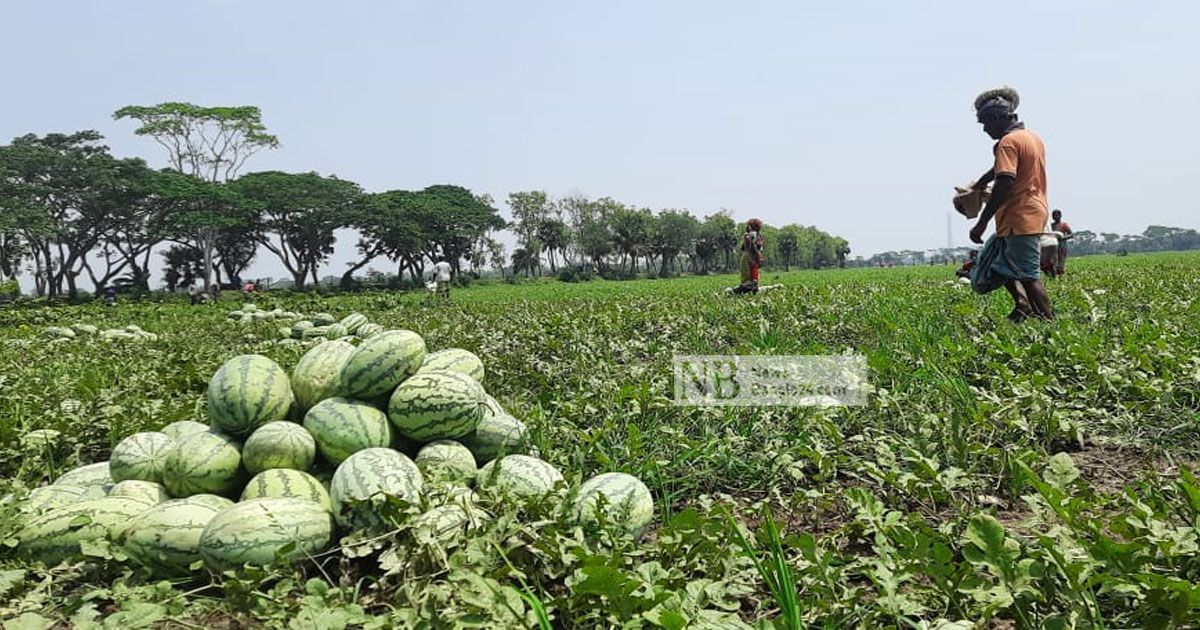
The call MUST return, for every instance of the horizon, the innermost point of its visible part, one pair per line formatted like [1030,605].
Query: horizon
[855,121]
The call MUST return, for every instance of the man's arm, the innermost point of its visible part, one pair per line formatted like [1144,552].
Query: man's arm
[984,179]
[1001,191]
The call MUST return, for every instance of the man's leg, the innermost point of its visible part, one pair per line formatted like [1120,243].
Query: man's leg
[1021,308]
[1039,299]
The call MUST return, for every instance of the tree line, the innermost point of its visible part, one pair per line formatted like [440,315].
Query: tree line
[70,210]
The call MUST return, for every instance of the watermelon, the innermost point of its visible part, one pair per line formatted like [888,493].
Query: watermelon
[166,538]
[454,360]
[249,307]
[324,319]
[437,405]
[369,330]
[236,314]
[247,392]
[315,332]
[447,523]
[140,456]
[208,463]
[371,474]
[520,476]
[616,498]
[177,430]
[278,445]
[381,363]
[342,427]
[91,475]
[317,375]
[148,492]
[283,482]
[56,535]
[254,531]
[446,460]
[59,332]
[496,435]
[85,329]
[335,331]
[42,439]
[353,322]
[299,327]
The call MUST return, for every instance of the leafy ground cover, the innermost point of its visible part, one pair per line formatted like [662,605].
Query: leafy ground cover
[1037,475]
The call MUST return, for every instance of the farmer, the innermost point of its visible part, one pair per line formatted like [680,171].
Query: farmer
[1011,257]
[441,274]
[751,257]
[965,270]
[1060,226]
[195,293]
[110,295]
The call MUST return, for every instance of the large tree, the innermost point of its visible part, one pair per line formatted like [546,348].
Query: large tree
[529,210]
[299,216]
[673,234]
[209,143]
[195,210]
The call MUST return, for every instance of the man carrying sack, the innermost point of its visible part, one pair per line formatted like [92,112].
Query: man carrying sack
[1017,200]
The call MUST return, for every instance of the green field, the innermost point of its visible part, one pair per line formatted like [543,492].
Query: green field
[1035,474]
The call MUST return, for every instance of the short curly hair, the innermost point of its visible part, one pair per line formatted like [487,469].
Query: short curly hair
[755,224]
[1004,93]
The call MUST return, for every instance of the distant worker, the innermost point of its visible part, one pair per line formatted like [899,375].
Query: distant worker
[110,295]
[214,291]
[195,293]
[441,275]
[1011,257]
[249,288]
[1064,230]
[751,257]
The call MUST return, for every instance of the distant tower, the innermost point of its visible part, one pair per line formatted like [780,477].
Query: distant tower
[949,231]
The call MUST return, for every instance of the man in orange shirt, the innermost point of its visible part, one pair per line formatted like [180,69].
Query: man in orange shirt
[1011,257]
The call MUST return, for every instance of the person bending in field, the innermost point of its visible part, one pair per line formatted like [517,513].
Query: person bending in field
[1060,226]
[1011,257]
[751,257]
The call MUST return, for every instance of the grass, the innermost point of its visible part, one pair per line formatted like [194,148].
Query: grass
[874,506]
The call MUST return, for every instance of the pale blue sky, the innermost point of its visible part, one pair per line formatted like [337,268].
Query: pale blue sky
[855,118]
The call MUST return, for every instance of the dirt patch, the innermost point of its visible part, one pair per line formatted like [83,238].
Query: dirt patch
[1109,469]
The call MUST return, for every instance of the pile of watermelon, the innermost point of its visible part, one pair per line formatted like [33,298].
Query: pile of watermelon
[289,462]
[131,332]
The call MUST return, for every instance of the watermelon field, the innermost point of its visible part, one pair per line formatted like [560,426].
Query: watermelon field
[1040,475]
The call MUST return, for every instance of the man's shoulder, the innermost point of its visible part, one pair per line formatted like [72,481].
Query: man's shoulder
[1022,137]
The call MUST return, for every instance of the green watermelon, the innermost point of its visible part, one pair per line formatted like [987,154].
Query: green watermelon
[496,435]
[140,456]
[616,498]
[47,498]
[299,327]
[324,319]
[278,445]
[283,482]
[371,474]
[454,360]
[315,332]
[166,538]
[247,392]
[342,427]
[447,523]
[91,475]
[317,375]
[437,405]
[446,460]
[520,476]
[369,330]
[236,315]
[335,331]
[56,535]
[148,492]
[254,531]
[249,307]
[177,430]
[381,363]
[59,332]
[208,463]
[85,329]
[353,322]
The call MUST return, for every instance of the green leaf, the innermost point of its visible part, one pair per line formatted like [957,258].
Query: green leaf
[11,579]
[1061,471]
[28,621]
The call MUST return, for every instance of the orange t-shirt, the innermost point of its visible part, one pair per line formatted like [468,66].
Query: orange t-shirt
[1022,154]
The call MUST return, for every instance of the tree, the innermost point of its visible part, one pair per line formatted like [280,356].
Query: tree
[529,209]
[209,143]
[554,237]
[786,244]
[722,231]
[386,227]
[630,232]
[196,211]
[183,266]
[452,219]
[299,214]
[673,234]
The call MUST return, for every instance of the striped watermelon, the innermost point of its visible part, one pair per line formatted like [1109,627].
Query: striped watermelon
[370,475]
[520,476]
[87,476]
[437,405]
[446,460]
[255,531]
[496,435]
[616,498]
[148,492]
[447,523]
[317,375]
[283,482]
[315,332]
[324,319]
[494,407]
[247,392]
[335,331]
[342,427]
[176,430]
[55,536]
[140,456]
[166,538]
[381,363]
[353,322]
[454,360]
[369,330]
[208,463]
[50,497]
[278,445]
[299,327]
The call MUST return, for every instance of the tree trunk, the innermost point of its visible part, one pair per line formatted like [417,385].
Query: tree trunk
[298,278]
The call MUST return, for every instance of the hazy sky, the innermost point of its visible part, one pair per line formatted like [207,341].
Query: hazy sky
[856,119]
